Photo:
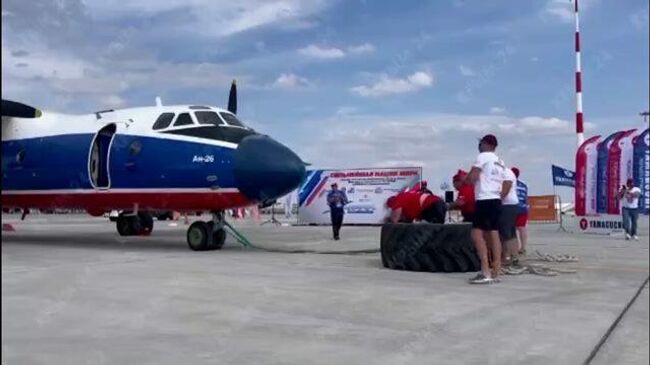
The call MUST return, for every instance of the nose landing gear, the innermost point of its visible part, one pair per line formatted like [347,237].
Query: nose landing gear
[202,236]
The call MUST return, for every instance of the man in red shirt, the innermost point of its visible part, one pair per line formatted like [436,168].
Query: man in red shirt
[414,205]
[465,201]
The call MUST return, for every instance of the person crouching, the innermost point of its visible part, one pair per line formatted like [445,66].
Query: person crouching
[465,201]
[407,207]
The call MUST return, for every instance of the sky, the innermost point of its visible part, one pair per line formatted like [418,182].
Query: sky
[348,84]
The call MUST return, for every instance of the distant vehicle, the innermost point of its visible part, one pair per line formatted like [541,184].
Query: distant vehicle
[184,158]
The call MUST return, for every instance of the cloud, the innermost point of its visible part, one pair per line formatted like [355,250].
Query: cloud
[497,110]
[466,71]
[113,101]
[640,18]
[61,80]
[563,9]
[290,81]
[19,53]
[82,55]
[216,18]
[330,53]
[441,143]
[386,85]
[323,53]
[345,111]
[361,49]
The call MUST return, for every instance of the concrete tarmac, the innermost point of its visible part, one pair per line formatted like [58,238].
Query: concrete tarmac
[75,292]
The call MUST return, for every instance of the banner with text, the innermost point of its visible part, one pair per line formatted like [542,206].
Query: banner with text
[542,209]
[601,224]
[367,191]
[641,169]
[563,177]
[586,177]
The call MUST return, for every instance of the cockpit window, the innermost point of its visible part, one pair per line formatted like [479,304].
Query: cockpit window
[209,118]
[183,119]
[232,120]
[163,121]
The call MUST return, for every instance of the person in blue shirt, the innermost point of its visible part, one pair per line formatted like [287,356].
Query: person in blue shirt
[337,200]
[522,217]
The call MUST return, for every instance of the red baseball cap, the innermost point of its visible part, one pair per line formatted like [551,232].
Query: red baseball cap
[459,175]
[490,139]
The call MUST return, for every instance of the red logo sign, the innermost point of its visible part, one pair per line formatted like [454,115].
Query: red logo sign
[584,224]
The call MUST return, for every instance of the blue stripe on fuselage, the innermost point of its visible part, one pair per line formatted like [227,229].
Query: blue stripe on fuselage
[61,162]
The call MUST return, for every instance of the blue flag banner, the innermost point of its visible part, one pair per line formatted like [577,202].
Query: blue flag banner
[563,177]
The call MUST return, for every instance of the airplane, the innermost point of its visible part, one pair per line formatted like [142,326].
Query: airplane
[184,158]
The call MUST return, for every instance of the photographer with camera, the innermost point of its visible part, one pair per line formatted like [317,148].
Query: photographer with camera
[629,196]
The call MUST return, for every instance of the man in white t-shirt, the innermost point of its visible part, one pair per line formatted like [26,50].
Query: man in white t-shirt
[507,223]
[629,196]
[487,177]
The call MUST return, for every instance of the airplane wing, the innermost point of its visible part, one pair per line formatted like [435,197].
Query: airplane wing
[18,110]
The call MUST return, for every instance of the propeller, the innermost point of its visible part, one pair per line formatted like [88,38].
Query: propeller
[232,98]
[19,110]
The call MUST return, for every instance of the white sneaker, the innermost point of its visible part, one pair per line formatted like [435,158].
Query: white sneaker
[627,237]
[481,279]
[636,238]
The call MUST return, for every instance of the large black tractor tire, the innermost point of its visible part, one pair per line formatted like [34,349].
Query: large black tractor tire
[428,247]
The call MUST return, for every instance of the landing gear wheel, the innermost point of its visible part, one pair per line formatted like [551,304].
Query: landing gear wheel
[198,236]
[218,237]
[124,226]
[132,225]
[146,223]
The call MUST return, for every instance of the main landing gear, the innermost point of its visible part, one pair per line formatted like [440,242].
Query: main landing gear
[130,224]
[202,236]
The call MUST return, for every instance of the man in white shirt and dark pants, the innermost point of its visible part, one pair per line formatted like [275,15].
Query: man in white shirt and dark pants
[507,226]
[487,177]
[629,196]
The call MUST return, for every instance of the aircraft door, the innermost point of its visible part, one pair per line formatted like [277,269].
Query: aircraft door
[98,161]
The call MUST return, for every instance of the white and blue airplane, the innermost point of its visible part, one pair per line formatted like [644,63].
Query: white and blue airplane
[140,160]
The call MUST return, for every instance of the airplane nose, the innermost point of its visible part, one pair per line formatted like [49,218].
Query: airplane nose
[265,170]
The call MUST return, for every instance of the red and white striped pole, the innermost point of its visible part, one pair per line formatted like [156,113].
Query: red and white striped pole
[580,131]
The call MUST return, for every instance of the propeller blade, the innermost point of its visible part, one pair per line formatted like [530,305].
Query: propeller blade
[232,98]
[18,110]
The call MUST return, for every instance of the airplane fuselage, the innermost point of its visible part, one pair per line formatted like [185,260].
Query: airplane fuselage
[151,158]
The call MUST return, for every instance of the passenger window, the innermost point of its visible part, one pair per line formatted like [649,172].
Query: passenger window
[210,118]
[232,120]
[163,121]
[183,119]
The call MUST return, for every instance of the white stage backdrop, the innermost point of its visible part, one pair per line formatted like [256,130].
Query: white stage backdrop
[367,190]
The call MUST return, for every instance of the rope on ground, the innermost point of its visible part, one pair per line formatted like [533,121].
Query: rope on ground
[247,244]
[554,258]
[540,269]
